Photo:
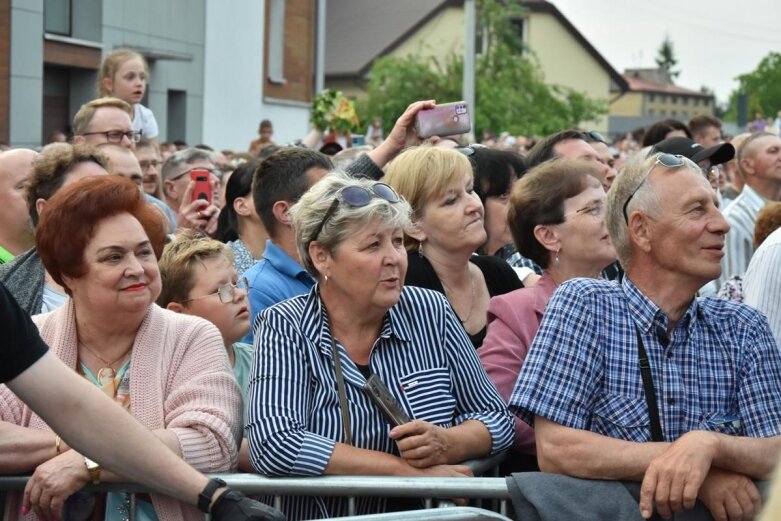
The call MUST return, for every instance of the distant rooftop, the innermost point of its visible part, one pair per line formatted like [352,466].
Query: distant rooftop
[637,84]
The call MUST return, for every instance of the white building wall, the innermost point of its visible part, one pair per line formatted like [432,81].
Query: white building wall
[233,102]
[26,73]
[233,72]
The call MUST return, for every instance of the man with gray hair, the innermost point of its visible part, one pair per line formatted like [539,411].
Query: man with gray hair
[198,214]
[642,380]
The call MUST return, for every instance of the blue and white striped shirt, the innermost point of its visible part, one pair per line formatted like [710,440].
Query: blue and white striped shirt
[422,354]
[720,371]
[741,215]
[762,282]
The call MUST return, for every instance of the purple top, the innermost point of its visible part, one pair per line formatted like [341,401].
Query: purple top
[513,320]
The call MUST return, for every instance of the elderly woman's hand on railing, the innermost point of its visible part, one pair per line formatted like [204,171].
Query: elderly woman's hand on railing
[53,482]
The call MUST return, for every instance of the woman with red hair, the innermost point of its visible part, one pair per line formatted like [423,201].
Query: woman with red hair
[100,240]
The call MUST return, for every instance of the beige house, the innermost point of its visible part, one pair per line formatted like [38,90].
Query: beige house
[358,31]
[659,98]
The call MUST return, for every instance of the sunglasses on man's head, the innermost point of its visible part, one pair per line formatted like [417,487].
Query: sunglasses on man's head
[666,160]
[593,135]
[357,197]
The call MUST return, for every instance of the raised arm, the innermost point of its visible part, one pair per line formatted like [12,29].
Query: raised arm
[402,134]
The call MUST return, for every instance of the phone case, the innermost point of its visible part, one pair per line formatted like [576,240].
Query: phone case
[384,400]
[444,120]
[203,189]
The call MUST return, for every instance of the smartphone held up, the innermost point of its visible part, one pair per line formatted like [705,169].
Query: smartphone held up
[444,120]
[203,186]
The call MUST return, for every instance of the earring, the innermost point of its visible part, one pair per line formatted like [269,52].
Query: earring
[420,250]
[325,280]
[557,257]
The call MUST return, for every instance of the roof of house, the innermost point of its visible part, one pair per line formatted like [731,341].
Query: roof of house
[358,31]
[541,6]
[638,85]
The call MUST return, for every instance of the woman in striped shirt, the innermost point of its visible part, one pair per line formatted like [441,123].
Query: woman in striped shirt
[308,413]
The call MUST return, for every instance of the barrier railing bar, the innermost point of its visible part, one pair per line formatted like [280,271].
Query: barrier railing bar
[342,486]
[443,514]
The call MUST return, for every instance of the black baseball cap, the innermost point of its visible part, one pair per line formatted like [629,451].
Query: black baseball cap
[689,148]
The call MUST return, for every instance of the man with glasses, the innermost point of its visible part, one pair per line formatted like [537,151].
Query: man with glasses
[123,162]
[644,381]
[105,120]
[197,214]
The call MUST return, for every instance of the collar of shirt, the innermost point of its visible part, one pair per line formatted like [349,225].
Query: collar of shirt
[314,322]
[284,263]
[648,315]
[751,199]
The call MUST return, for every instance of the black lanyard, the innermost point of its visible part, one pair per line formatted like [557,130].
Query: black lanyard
[648,386]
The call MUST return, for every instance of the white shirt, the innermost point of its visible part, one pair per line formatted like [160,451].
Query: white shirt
[739,242]
[144,120]
[762,283]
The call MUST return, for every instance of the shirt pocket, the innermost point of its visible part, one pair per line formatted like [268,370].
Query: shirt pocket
[724,423]
[429,396]
[622,417]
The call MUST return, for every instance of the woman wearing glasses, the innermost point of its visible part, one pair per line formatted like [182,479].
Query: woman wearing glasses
[447,230]
[308,413]
[99,240]
[556,216]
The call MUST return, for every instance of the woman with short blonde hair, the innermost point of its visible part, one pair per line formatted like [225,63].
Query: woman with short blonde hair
[447,230]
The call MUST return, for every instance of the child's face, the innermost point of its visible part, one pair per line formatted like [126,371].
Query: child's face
[129,82]
[233,318]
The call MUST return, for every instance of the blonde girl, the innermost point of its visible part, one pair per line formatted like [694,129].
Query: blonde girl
[124,74]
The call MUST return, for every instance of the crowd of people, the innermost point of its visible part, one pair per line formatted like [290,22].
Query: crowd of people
[599,310]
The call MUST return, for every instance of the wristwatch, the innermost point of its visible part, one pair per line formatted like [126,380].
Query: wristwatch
[205,497]
[94,470]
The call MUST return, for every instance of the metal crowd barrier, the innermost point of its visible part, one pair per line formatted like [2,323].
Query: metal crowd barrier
[436,492]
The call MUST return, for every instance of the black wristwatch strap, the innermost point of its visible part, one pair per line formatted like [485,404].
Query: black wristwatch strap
[205,497]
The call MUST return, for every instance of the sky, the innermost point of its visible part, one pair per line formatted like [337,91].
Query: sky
[714,40]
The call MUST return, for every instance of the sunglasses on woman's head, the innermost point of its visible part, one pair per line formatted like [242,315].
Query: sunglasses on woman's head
[666,160]
[357,197]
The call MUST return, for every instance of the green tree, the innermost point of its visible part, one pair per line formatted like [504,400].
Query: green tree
[510,91]
[763,86]
[665,57]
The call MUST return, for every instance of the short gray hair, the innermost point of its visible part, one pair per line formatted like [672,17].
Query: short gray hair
[183,157]
[646,199]
[307,214]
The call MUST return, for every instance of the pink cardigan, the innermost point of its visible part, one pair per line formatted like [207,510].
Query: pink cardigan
[180,380]
[513,320]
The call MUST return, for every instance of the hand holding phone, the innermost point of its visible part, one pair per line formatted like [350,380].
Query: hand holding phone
[444,120]
[203,186]
[384,400]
